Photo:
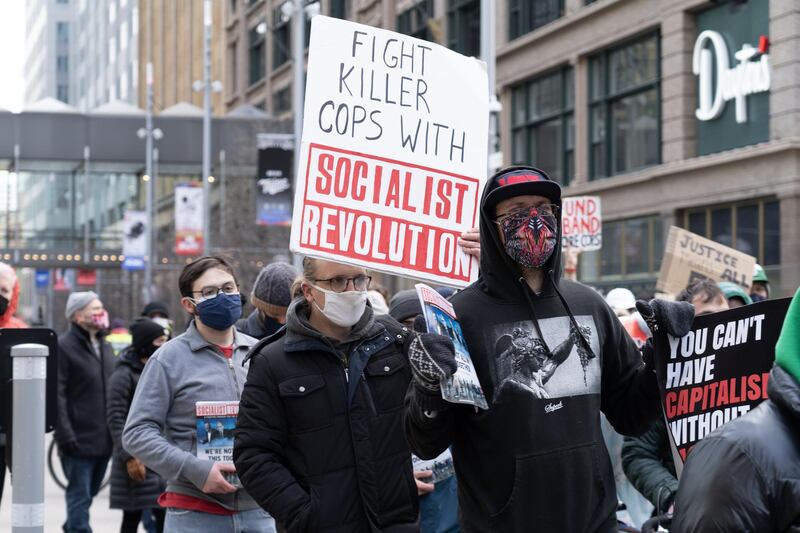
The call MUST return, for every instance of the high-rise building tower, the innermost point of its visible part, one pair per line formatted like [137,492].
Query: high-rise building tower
[49,50]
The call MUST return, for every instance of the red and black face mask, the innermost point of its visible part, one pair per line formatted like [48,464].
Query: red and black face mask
[530,236]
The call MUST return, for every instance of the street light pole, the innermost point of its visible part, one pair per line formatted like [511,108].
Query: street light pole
[150,185]
[488,55]
[298,67]
[206,127]
[298,89]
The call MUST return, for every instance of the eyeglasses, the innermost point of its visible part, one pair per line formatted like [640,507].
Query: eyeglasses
[543,209]
[340,283]
[212,291]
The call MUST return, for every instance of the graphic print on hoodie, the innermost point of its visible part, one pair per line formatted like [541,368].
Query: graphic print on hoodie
[523,362]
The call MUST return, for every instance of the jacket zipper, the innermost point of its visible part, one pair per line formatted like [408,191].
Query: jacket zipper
[238,397]
[344,361]
[233,373]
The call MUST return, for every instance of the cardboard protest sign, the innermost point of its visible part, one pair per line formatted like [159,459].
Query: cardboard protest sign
[393,154]
[688,257]
[718,372]
[581,223]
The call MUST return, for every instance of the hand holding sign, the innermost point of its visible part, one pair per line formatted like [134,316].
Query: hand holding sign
[717,371]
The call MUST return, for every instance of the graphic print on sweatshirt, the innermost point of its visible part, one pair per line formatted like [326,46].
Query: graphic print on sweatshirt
[523,363]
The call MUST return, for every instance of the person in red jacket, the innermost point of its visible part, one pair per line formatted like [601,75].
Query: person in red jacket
[9,299]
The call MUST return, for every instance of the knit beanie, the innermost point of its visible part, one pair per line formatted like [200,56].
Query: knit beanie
[271,291]
[79,300]
[405,305]
[787,349]
[155,307]
[143,332]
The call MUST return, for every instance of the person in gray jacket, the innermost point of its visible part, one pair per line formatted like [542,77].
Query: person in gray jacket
[202,364]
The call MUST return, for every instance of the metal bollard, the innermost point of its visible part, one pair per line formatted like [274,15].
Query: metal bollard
[29,363]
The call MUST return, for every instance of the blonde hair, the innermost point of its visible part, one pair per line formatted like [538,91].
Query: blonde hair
[309,271]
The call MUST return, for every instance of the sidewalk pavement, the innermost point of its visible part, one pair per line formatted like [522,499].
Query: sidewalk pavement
[103,519]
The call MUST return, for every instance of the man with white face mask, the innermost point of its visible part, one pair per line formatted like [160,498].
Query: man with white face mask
[320,441]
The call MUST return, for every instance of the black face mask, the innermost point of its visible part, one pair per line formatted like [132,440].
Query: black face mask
[147,351]
[269,324]
[4,303]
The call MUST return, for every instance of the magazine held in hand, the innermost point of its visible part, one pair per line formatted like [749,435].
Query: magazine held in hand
[216,422]
[440,317]
[441,467]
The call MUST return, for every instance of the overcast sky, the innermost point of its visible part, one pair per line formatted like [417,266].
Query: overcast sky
[12,54]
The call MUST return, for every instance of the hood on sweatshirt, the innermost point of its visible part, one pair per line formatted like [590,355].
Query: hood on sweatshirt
[500,276]
[787,349]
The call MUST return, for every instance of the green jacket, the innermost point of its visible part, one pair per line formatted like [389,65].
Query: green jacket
[647,461]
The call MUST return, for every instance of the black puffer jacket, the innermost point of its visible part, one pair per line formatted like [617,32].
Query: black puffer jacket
[82,383]
[125,492]
[319,440]
[745,476]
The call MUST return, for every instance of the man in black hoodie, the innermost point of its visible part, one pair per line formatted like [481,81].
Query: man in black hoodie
[550,355]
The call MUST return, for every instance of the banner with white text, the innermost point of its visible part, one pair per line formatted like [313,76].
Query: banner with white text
[394,152]
[274,179]
[188,219]
[718,371]
[134,240]
[581,223]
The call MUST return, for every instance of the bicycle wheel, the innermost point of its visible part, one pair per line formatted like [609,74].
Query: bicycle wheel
[56,470]
[52,451]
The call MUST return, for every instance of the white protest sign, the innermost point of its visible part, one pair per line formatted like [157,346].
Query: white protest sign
[581,223]
[393,155]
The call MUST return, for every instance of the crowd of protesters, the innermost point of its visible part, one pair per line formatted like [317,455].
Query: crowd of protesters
[339,383]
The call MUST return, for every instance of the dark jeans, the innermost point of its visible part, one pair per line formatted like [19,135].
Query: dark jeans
[130,520]
[84,476]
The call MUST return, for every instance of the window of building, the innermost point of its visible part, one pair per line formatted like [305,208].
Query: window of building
[414,20]
[527,15]
[62,92]
[258,59]
[340,9]
[62,32]
[282,101]
[233,66]
[281,40]
[624,109]
[232,6]
[632,249]
[543,124]
[464,26]
[62,64]
[751,226]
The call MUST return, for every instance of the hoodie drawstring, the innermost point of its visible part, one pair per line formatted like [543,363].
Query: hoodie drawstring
[532,310]
[571,316]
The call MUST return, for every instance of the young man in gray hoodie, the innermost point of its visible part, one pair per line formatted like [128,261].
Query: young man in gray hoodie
[202,364]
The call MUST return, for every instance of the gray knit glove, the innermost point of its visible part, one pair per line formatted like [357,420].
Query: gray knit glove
[432,357]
